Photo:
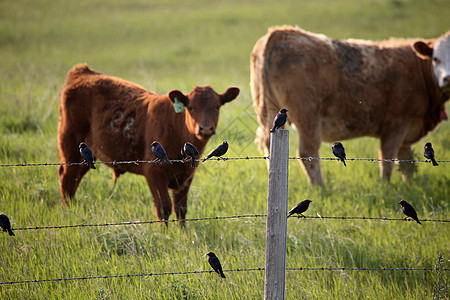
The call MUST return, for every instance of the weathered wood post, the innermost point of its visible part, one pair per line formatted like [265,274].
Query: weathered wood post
[277,200]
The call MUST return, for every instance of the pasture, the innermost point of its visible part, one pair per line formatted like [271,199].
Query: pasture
[165,45]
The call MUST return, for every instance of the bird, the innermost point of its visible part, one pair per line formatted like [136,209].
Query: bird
[87,155]
[339,151]
[300,208]
[280,119]
[5,224]
[159,152]
[428,152]
[215,264]
[189,150]
[409,211]
[219,151]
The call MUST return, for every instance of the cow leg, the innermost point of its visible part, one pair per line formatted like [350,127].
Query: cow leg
[69,176]
[161,198]
[310,139]
[309,147]
[390,147]
[406,168]
[180,197]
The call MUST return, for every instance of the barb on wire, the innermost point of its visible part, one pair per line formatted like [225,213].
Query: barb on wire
[221,218]
[137,162]
[211,271]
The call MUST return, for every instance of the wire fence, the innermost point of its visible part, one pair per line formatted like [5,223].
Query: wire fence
[138,162]
[205,272]
[220,218]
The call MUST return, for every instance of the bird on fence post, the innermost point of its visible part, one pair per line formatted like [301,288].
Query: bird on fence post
[300,208]
[219,151]
[159,152]
[5,224]
[189,150]
[409,211]
[215,264]
[280,119]
[86,154]
[339,151]
[428,152]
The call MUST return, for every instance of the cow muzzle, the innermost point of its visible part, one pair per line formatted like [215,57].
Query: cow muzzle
[206,131]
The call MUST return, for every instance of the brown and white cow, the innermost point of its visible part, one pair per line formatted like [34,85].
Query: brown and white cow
[393,90]
[119,120]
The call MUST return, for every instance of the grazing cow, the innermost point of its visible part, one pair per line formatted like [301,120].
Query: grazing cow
[393,90]
[119,120]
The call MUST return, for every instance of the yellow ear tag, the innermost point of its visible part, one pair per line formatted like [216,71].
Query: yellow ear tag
[179,106]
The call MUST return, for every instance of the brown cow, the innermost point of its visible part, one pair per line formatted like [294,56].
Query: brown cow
[119,120]
[337,90]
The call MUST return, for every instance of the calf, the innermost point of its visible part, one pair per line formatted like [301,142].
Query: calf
[119,120]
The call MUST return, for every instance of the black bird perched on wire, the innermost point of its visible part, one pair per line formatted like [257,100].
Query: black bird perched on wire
[189,150]
[280,119]
[219,151]
[339,151]
[428,152]
[409,211]
[300,208]
[86,154]
[215,264]
[159,152]
[5,224]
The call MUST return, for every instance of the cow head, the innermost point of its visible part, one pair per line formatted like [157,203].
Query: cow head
[202,108]
[439,52]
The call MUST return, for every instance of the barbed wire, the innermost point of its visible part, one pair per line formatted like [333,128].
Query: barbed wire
[211,271]
[370,218]
[221,218]
[224,159]
[142,222]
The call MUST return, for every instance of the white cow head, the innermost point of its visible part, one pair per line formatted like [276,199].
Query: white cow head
[439,52]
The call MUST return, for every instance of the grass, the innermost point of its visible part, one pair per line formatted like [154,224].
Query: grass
[169,45]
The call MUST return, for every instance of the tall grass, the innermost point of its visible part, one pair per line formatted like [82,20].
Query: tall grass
[165,45]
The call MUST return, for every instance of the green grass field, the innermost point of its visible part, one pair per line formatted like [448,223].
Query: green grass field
[165,45]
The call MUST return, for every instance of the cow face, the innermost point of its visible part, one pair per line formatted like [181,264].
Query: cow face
[202,108]
[440,55]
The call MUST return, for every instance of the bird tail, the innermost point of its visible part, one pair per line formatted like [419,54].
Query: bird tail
[221,274]
[434,162]
[208,157]
[168,161]
[273,129]
[417,220]
[290,214]
[91,165]
[193,162]
[10,232]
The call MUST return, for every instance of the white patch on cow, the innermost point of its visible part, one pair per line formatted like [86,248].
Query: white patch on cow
[127,130]
[115,121]
[441,61]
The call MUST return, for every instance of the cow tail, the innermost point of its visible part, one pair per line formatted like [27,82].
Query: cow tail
[257,88]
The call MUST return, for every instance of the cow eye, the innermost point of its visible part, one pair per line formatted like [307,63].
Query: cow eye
[190,108]
[436,60]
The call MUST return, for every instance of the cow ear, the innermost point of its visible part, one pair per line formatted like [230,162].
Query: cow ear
[229,95]
[423,50]
[179,96]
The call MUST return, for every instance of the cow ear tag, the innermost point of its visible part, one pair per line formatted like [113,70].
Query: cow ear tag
[179,106]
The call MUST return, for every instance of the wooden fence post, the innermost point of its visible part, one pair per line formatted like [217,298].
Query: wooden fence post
[276,232]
